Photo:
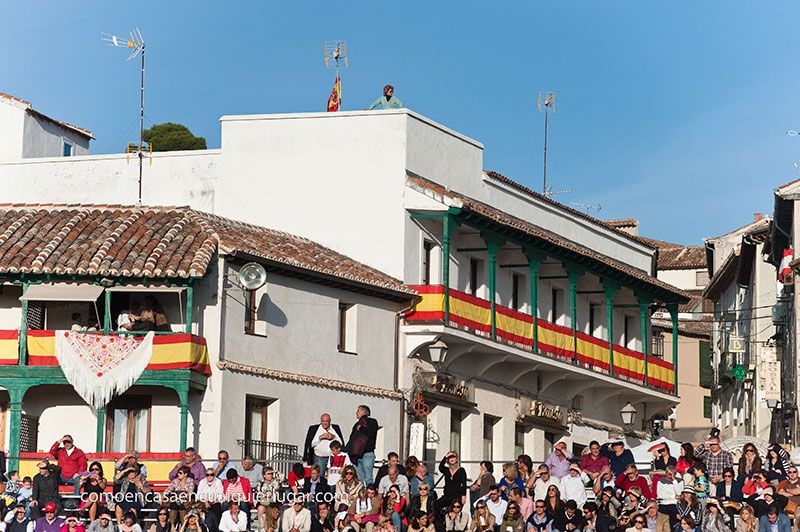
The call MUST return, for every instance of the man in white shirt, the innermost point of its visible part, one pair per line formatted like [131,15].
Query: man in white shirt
[543,482]
[572,485]
[297,518]
[233,520]
[318,441]
[495,503]
[394,477]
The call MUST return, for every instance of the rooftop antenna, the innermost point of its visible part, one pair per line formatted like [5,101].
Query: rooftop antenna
[135,43]
[587,206]
[335,56]
[548,100]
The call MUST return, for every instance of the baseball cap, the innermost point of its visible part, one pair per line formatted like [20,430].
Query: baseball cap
[50,507]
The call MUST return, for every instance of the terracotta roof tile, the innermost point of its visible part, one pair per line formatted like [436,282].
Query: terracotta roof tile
[157,242]
[700,328]
[503,218]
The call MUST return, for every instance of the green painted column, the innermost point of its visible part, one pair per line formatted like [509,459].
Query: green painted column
[533,267]
[183,397]
[644,307]
[107,315]
[447,235]
[15,422]
[189,310]
[23,330]
[673,312]
[610,290]
[101,430]
[574,276]
[492,249]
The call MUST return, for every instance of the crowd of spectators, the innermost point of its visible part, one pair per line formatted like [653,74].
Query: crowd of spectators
[338,490]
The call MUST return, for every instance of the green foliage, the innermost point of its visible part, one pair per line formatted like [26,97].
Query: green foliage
[172,137]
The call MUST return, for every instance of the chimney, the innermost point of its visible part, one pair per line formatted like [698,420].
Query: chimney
[758,217]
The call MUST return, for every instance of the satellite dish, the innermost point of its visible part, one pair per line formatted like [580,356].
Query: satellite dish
[252,276]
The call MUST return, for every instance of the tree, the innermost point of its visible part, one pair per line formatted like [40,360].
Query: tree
[172,137]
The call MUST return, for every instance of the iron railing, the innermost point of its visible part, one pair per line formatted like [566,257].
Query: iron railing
[279,456]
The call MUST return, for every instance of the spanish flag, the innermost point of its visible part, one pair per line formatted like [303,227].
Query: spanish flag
[335,99]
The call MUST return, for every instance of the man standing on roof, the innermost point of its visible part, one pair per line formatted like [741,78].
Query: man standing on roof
[387,101]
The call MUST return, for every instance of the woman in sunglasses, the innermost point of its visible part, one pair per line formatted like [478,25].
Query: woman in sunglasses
[512,520]
[714,519]
[72,525]
[456,520]
[750,462]
[348,486]
[639,523]
[553,504]
[93,486]
[482,520]
[162,523]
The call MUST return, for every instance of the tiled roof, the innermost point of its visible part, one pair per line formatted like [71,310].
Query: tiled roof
[695,302]
[682,258]
[627,222]
[522,188]
[158,242]
[502,218]
[701,328]
[29,107]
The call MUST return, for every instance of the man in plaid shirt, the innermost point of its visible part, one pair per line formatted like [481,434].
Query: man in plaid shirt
[715,458]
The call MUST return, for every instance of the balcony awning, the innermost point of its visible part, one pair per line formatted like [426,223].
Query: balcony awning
[62,292]
[143,288]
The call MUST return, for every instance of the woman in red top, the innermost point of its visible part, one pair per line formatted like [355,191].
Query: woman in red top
[297,477]
[686,460]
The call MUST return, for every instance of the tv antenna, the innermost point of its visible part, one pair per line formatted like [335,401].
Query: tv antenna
[135,43]
[548,100]
[596,207]
[335,56]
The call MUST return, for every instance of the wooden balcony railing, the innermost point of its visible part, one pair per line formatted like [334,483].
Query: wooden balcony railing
[515,328]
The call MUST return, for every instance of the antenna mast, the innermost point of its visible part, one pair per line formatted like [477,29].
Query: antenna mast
[136,44]
[548,99]
[335,52]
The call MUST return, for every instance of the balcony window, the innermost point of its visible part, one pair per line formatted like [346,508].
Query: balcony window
[488,437]
[475,270]
[128,424]
[519,439]
[255,311]
[255,426]
[594,313]
[456,419]
[657,349]
[427,248]
[557,305]
[516,288]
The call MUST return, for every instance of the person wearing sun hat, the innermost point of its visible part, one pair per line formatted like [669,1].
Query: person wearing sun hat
[45,487]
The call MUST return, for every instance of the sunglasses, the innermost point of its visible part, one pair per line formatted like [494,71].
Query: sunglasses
[209,475]
[540,505]
[731,476]
[457,506]
[481,506]
[638,522]
[95,470]
[423,489]
[163,514]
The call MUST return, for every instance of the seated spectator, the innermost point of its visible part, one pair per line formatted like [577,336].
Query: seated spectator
[495,503]
[45,488]
[456,520]
[512,519]
[129,460]
[392,459]
[714,519]
[777,463]
[425,502]
[686,461]
[525,470]
[754,483]
[297,477]
[395,507]
[270,520]
[687,524]
[730,489]
[747,522]
[323,521]
[233,519]
[130,523]
[72,525]
[570,520]
[49,522]
[483,482]
[593,462]
[790,488]
[145,321]
[236,488]
[420,475]
[296,518]
[603,480]
[71,460]
[774,521]
[193,523]
[688,505]
[224,464]
[573,485]
[131,488]
[619,457]
[482,519]
[595,520]
[315,487]
[25,495]
[77,322]
[656,521]
[348,487]
[543,482]
[17,521]
[421,523]
[394,478]
[661,461]
[366,509]
[608,504]
[267,492]
[510,479]
[525,504]
[559,460]
[539,520]
[750,462]
[178,495]
[93,486]
[159,316]
[668,491]
[632,504]
[553,504]
[629,478]
[410,465]
[197,470]
[211,494]
[162,523]
[126,318]
[765,499]
[639,523]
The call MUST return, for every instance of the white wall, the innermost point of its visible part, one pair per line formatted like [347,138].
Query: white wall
[12,120]
[685,279]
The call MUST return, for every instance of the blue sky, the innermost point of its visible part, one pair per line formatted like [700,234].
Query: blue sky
[673,113]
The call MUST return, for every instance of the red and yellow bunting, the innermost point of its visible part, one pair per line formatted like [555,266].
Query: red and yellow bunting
[516,328]
[9,348]
[171,351]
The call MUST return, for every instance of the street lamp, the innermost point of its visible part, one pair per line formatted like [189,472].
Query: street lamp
[628,414]
[438,351]
[772,404]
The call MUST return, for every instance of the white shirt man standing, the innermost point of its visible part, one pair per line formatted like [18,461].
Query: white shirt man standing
[318,442]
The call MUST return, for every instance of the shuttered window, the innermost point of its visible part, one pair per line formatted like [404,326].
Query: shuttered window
[706,371]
